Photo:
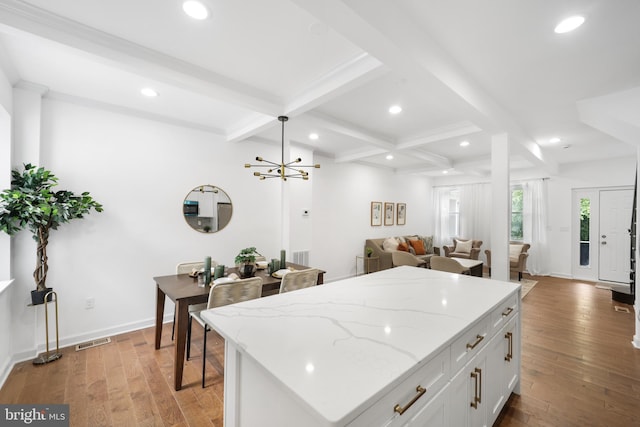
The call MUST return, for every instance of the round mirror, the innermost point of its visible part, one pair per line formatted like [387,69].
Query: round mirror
[207,209]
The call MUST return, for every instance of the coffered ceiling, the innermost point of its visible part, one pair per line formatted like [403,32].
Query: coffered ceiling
[462,70]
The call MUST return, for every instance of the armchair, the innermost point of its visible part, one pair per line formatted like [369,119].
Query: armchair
[461,249]
[447,264]
[518,253]
[407,258]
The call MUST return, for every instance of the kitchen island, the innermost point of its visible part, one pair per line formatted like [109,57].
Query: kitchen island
[402,346]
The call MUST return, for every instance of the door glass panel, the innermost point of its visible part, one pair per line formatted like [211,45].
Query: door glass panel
[585,220]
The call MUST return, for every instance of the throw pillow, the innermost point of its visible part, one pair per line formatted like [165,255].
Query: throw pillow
[390,244]
[403,247]
[428,244]
[463,247]
[418,246]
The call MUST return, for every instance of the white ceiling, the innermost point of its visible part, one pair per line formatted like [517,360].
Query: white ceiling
[460,69]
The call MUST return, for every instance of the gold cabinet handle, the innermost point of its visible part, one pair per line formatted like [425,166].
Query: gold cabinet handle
[479,371]
[507,312]
[509,337]
[479,338]
[400,410]
[477,395]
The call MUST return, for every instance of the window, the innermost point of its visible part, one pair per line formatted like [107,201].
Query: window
[454,213]
[585,220]
[516,213]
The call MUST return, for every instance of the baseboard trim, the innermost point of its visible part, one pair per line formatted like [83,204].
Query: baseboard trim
[77,339]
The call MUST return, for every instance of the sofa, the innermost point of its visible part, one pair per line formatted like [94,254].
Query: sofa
[463,248]
[518,253]
[385,252]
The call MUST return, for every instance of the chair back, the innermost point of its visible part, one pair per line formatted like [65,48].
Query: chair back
[188,267]
[299,279]
[446,264]
[405,258]
[234,291]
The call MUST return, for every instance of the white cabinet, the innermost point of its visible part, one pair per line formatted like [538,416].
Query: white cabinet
[503,364]
[479,391]
[434,414]
[401,347]
[400,406]
[467,393]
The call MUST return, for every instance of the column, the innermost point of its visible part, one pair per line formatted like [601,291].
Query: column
[636,337]
[501,200]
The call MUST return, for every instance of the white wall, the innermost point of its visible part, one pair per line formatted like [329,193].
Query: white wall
[603,173]
[342,199]
[141,170]
[6,289]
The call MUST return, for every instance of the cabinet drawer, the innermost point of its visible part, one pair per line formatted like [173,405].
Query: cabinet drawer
[468,345]
[432,377]
[505,311]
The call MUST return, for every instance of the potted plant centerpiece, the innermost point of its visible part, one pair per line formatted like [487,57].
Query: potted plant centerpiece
[246,262]
[31,203]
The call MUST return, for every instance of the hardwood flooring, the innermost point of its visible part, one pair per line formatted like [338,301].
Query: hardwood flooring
[578,369]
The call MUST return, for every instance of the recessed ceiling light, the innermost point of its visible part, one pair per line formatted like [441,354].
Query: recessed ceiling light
[313,136]
[389,157]
[569,24]
[195,9]
[395,109]
[464,144]
[147,91]
[445,172]
[554,140]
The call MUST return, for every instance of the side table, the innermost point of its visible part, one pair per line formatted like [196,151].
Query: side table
[366,264]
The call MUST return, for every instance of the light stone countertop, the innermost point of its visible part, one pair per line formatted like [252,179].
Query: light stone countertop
[340,346]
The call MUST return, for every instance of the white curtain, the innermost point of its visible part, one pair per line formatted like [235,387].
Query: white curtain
[441,196]
[475,214]
[535,226]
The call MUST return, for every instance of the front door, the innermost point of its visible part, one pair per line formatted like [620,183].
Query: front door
[614,238]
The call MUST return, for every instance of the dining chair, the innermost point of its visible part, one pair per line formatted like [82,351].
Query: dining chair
[447,264]
[299,279]
[186,268]
[220,295]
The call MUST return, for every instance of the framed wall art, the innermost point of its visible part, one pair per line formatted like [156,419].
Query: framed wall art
[401,209]
[376,213]
[388,213]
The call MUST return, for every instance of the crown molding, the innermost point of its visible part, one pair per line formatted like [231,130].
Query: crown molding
[22,16]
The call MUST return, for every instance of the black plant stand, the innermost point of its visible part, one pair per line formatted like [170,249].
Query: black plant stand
[47,356]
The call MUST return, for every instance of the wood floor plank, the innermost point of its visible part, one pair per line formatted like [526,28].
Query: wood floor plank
[578,369]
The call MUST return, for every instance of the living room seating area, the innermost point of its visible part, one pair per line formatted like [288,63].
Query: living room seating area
[518,253]
[463,248]
[414,250]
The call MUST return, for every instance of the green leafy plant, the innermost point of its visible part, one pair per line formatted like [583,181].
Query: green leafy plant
[368,251]
[32,204]
[246,256]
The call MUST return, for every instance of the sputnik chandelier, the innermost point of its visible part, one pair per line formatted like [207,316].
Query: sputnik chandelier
[282,170]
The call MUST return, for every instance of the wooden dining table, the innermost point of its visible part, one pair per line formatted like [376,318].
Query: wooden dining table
[184,291]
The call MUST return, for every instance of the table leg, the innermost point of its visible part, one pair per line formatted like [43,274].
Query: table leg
[159,315]
[182,319]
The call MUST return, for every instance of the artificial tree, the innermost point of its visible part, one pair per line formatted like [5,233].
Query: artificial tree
[31,203]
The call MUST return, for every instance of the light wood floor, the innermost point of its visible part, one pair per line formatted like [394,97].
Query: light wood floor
[578,369]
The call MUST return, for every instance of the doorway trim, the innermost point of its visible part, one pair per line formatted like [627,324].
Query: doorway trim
[590,272]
